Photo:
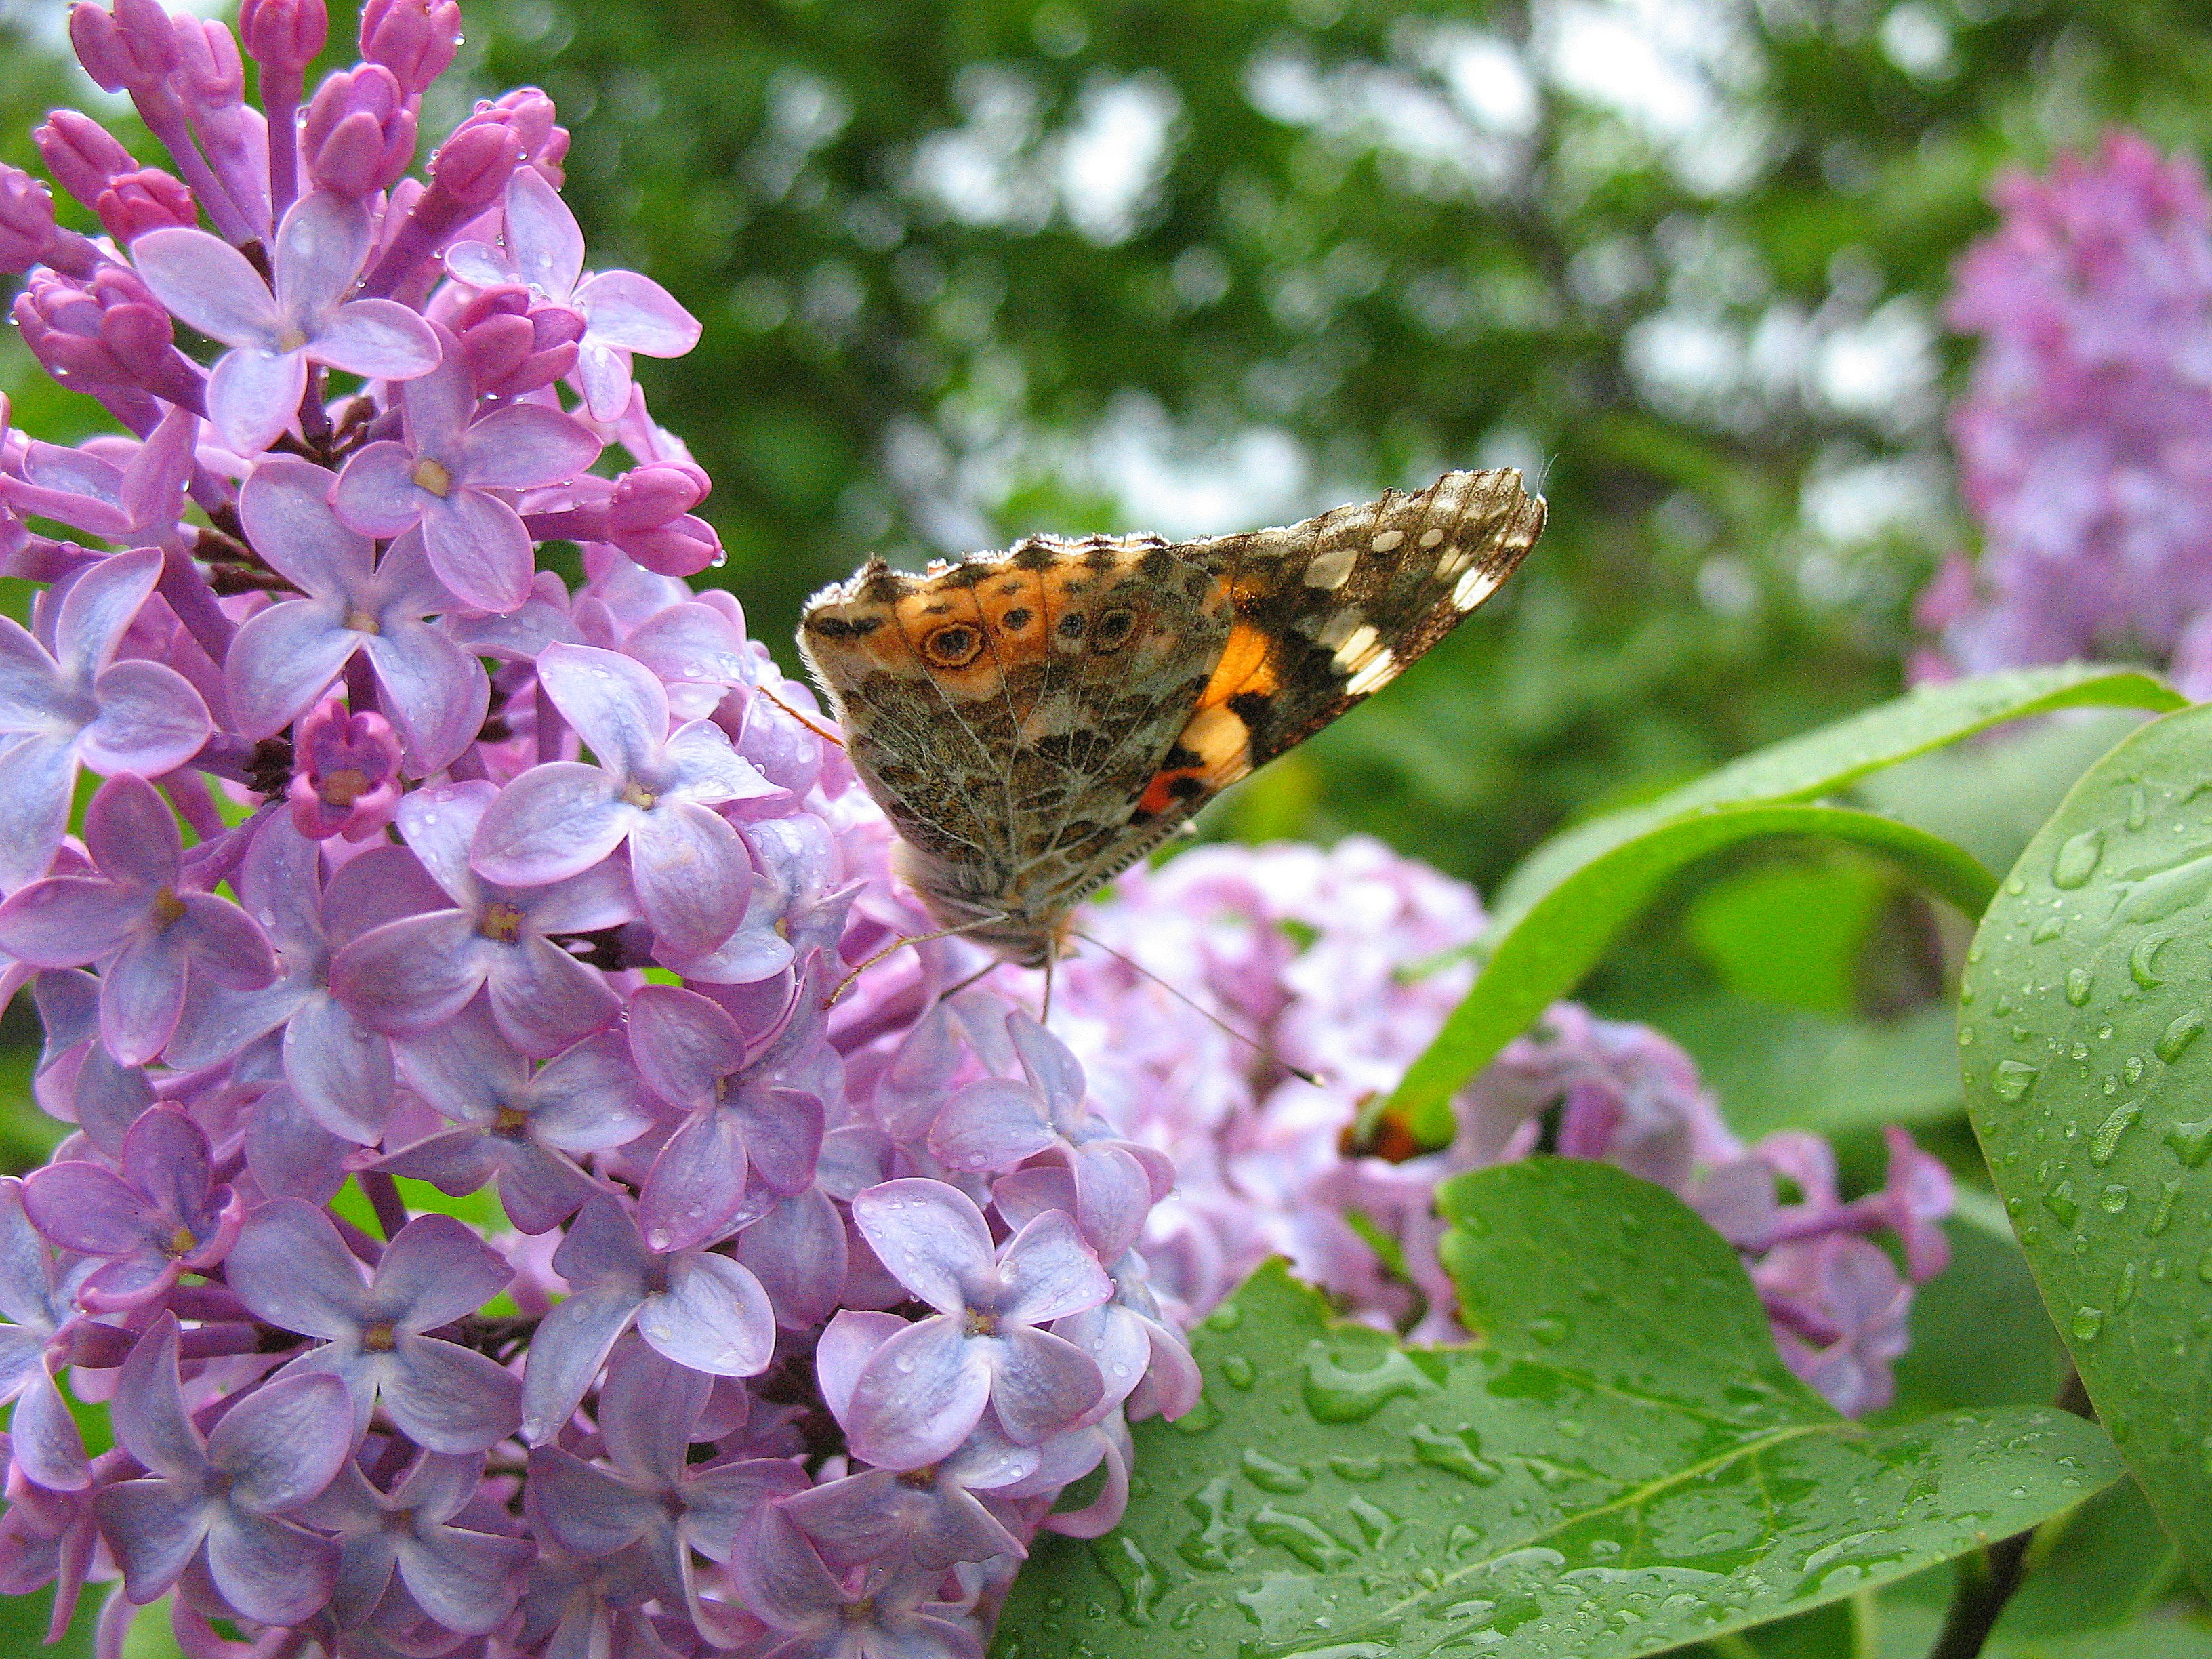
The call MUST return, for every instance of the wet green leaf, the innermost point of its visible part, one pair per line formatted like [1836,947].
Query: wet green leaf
[1553,919]
[2084,1009]
[1549,948]
[1623,1465]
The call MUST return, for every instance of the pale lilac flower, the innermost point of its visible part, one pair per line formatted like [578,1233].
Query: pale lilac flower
[929,1517]
[346,776]
[37,1293]
[1840,1308]
[2085,439]
[624,312]
[135,916]
[922,1393]
[521,1128]
[216,1501]
[701,1309]
[450,477]
[286,656]
[162,1216]
[867,1613]
[466,1579]
[691,1053]
[76,704]
[995,1124]
[291,1268]
[137,502]
[415,973]
[653,1499]
[255,390]
[339,1068]
[652,788]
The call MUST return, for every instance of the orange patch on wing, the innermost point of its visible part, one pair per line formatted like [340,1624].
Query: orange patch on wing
[1222,743]
[1247,664]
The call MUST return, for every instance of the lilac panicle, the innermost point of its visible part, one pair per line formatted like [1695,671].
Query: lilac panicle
[420,875]
[2078,437]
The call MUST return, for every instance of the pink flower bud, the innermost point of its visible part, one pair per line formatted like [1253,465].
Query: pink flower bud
[346,780]
[682,547]
[415,39]
[529,113]
[149,199]
[132,47]
[473,166]
[210,70]
[650,496]
[359,136]
[81,153]
[511,349]
[27,220]
[283,34]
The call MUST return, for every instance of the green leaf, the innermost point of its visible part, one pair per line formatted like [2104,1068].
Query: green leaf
[1824,761]
[1623,1465]
[2083,1014]
[1548,948]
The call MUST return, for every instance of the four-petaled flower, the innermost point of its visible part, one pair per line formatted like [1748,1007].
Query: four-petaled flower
[924,1391]
[466,1579]
[286,656]
[417,972]
[163,1215]
[873,1612]
[217,1499]
[447,475]
[653,788]
[138,921]
[290,1268]
[255,391]
[76,705]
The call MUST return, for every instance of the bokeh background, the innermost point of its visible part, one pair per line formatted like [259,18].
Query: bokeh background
[969,271]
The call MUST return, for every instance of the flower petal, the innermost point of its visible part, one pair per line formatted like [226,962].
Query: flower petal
[289,1268]
[477,545]
[635,314]
[691,875]
[376,339]
[204,282]
[931,1236]
[268,1570]
[410,976]
[714,1317]
[526,445]
[285,1442]
[434,694]
[253,395]
[281,661]
[1043,1384]
[558,819]
[377,494]
[697,1183]
[683,1044]
[151,720]
[616,705]
[570,1346]
[448,1398]
[920,1396]
[434,1271]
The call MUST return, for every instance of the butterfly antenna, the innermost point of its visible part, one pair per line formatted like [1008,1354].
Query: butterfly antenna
[821,732]
[900,943]
[988,966]
[1250,1041]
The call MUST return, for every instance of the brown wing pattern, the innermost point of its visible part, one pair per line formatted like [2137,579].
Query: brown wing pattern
[1326,613]
[1035,721]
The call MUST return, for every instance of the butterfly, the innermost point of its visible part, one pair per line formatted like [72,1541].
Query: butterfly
[1033,722]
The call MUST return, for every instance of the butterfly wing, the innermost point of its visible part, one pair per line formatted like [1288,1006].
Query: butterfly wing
[1323,615]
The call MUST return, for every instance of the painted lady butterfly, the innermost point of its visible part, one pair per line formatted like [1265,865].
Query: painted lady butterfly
[1035,721]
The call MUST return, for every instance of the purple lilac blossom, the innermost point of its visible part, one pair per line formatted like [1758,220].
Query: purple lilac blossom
[2082,437]
[556,939]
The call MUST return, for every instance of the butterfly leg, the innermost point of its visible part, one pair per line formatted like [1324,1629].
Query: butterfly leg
[900,943]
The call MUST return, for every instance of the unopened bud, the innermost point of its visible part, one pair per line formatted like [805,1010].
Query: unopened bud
[132,47]
[27,220]
[81,153]
[472,166]
[149,199]
[358,136]
[283,34]
[415,39]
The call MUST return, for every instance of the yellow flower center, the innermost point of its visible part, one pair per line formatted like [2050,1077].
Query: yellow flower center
[638,795]
[433,477]
[501,922]
[380,1337]
[344,787]
[168,910]
[182,1241]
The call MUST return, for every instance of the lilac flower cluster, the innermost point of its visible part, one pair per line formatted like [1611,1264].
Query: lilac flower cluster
[2084,440]
[407,860]
[1314,951]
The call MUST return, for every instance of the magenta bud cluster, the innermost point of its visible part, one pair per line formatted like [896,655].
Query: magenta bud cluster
[416,883]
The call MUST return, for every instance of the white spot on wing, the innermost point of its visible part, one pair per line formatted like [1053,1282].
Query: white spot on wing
[1376,673]
[1388,541]
[1355,647]
[1430,537]
[1340,628]
[1329,569]
[1473,587]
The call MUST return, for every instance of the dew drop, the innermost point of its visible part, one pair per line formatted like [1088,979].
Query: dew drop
[2060,1201]
[2078,859]
[2105,1142]
[2113,1198]
[1238,1371]
[2088,1322]
[2079,983]
[2190,1142]
[2011,1080]
[2179,1033]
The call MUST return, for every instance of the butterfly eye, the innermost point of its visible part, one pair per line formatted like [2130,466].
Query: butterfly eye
[1113,630]
[953,645]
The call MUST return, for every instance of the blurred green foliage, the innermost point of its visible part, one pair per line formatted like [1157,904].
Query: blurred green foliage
[969,270]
